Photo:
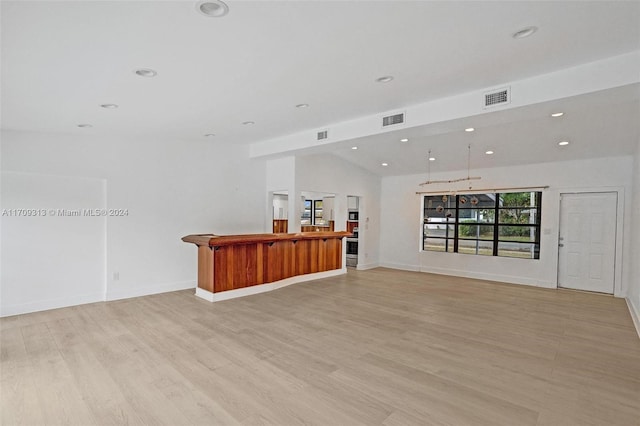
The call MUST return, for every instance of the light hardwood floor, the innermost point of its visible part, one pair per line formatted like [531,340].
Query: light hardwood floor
[377,347]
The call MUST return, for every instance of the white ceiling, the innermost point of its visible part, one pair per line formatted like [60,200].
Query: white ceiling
[598,124]
[61,60]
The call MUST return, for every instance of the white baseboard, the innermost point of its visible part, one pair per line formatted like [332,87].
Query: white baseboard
[635,314]
[45,305]
[263,288]
[467,274]
[489,277]
[149,290]
[365,266]
[401,266]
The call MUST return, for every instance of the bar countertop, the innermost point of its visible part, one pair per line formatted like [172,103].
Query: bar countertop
[213,240]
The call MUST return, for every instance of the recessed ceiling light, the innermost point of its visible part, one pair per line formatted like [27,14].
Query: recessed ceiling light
[85,125]
[563,143]
[210,135]
[384,79]
[525,32]
[489,152]
[109,106]
[248,123]
[557,114]
[432,158]
[146,72]
[302,106]
[354,147]
[212,8]
[404,140]
[385,164]
[469,129]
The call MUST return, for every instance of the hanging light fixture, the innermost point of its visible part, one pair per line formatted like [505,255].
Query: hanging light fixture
[469,178]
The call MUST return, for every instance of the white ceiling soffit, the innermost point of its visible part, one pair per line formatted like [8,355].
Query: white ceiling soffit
[599,124]
[611,73]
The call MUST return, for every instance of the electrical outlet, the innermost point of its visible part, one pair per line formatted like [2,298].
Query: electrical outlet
[116,276]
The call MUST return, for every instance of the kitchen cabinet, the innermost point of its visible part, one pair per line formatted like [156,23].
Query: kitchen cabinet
[352,203]
[280,226]
[353,228]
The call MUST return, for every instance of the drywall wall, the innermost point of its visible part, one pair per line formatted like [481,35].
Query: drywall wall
[401,228]
[169,189]
[54,251]
[280,206]
[634,275]
[280,176]
[328,208]
[326,173]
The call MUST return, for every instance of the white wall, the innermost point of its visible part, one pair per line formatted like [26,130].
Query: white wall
[328,208]
[280,176]
[330,174]
[170,189]
[39,243]
[280,206]
[401,227]
[634,276]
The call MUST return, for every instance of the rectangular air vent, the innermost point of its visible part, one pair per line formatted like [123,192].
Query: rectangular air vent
[393,119]
[497,97]
[323,135]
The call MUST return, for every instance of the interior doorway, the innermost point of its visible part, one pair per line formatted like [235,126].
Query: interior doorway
[587,243]
[280,212]
[353,219]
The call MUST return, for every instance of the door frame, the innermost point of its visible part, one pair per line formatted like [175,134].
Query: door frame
[617,284]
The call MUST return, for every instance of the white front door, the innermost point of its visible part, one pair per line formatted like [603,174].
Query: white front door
[587,246]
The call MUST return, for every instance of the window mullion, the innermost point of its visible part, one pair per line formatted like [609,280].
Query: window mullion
[538,221]
[496,220]
[455,227]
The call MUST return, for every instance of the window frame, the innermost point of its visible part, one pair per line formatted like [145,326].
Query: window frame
[536,226]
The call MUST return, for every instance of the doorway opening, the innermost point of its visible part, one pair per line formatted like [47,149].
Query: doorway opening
[353,217]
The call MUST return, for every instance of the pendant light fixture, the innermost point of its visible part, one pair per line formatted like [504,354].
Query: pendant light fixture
[469,178]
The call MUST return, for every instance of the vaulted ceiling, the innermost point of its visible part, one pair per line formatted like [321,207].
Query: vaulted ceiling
[62,60]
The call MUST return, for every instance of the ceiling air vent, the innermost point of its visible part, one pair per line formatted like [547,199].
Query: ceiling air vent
[391,120]
[323,135]
[497,97]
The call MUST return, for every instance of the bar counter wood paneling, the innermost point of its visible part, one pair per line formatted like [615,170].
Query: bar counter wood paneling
[235,262]
[319,228]
[280,225]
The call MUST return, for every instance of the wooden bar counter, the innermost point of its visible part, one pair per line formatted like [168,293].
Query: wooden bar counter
[239,265]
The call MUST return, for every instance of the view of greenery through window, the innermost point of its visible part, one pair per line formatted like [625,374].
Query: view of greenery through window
[500,224]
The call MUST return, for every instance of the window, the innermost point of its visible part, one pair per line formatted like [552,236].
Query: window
[318,218]
[500,224]
[313,213]
[306,213]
